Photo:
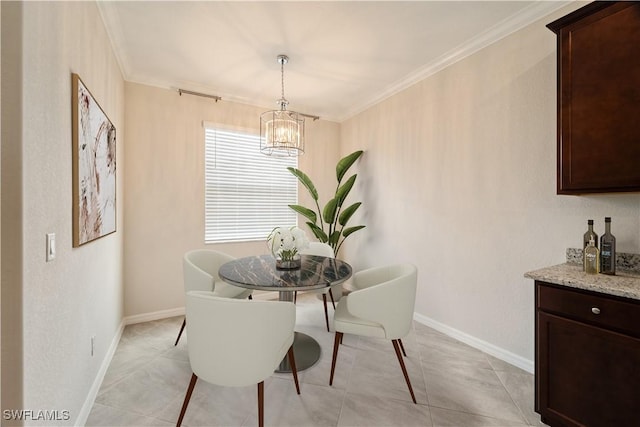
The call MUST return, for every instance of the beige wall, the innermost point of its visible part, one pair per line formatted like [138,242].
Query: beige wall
[79,294]
[11,213]
[0,217]
[459,177]
[164,198]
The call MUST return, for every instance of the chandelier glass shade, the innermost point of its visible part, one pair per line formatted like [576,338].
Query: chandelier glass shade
[282,131]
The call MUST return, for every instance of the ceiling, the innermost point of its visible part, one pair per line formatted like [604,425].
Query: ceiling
[344,55]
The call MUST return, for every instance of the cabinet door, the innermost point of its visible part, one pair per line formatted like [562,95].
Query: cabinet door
[586,376]
[599,98]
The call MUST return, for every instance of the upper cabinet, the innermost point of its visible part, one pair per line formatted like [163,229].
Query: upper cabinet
[599,98]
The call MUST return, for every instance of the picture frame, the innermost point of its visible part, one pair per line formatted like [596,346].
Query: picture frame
[94,167]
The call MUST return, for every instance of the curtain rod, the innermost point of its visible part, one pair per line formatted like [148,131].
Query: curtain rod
[188,92]
[310,116]
[218,98]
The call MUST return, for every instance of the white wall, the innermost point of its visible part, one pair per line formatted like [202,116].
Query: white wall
[79,294]
[459,177]
[164,201]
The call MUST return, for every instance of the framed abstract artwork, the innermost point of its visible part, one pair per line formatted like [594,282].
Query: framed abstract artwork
[94,167]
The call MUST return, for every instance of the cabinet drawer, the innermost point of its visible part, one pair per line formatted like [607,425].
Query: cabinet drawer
[590,307]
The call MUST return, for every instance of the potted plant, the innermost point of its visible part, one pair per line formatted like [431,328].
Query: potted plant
[329,225]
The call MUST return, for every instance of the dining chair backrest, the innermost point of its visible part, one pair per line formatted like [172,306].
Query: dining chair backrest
[318,248]
[381,306]
[235,342]
[385,295]
[200,269]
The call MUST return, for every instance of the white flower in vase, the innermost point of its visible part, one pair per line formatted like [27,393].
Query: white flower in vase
[285,243]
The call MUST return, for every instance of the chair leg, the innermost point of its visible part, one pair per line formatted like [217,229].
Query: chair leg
[295,297]
[396,346]
[326,315]
[184,322]
[187,397]
[336,344]
[333,302]
[294,370]
[261,404]
[402,347]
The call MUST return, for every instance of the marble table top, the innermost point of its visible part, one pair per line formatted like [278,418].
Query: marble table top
[624,283]
[259,272]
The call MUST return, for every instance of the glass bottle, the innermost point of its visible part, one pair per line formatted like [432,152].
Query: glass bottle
[588,236]
[590,233]
[607,249]
[591,258]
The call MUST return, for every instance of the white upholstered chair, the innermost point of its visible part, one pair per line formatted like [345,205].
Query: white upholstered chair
[321,249]
[200,270]
[236,343]
[380,306]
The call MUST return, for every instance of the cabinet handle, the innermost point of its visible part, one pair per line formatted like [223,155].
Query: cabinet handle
[595,310]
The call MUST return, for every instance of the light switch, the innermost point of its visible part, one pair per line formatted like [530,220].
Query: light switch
[51,246]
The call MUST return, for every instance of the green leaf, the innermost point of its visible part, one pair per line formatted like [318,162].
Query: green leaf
[346,214]
[306,212]
[317,231]
[329,212]
[345,163]
[351,230]
[333,239]
[306,181]
[344,189]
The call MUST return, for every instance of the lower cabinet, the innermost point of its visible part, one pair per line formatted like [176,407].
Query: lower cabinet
[587,358]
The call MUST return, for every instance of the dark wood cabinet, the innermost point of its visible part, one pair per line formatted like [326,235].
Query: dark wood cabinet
[587,358]
[599,98]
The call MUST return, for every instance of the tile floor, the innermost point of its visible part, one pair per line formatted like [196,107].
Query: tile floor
[454,384]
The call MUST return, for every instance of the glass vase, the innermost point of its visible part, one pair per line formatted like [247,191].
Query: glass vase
[289,263]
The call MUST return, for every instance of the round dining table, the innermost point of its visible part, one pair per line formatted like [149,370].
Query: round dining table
[260,273]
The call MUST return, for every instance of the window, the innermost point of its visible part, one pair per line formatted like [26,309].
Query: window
[246,193]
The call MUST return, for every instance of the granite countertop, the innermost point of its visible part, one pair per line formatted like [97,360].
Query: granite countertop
[626,283]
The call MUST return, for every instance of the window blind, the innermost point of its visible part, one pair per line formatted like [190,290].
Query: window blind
[246,193]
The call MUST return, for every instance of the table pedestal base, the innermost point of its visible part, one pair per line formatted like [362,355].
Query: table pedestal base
[306,351]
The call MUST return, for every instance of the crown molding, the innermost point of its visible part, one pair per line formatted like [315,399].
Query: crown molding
[527,16]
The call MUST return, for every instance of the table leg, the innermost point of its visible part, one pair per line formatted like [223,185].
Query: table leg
[285,296]
[306,351]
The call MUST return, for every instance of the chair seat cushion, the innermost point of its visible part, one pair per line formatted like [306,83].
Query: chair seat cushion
[344,321]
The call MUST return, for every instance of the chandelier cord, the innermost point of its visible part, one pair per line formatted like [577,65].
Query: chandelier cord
[282,76]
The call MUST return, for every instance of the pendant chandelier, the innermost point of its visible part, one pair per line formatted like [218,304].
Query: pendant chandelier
[282,131]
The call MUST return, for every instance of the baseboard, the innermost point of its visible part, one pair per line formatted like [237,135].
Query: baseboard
[154,315]
[97,382]
[488,348]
